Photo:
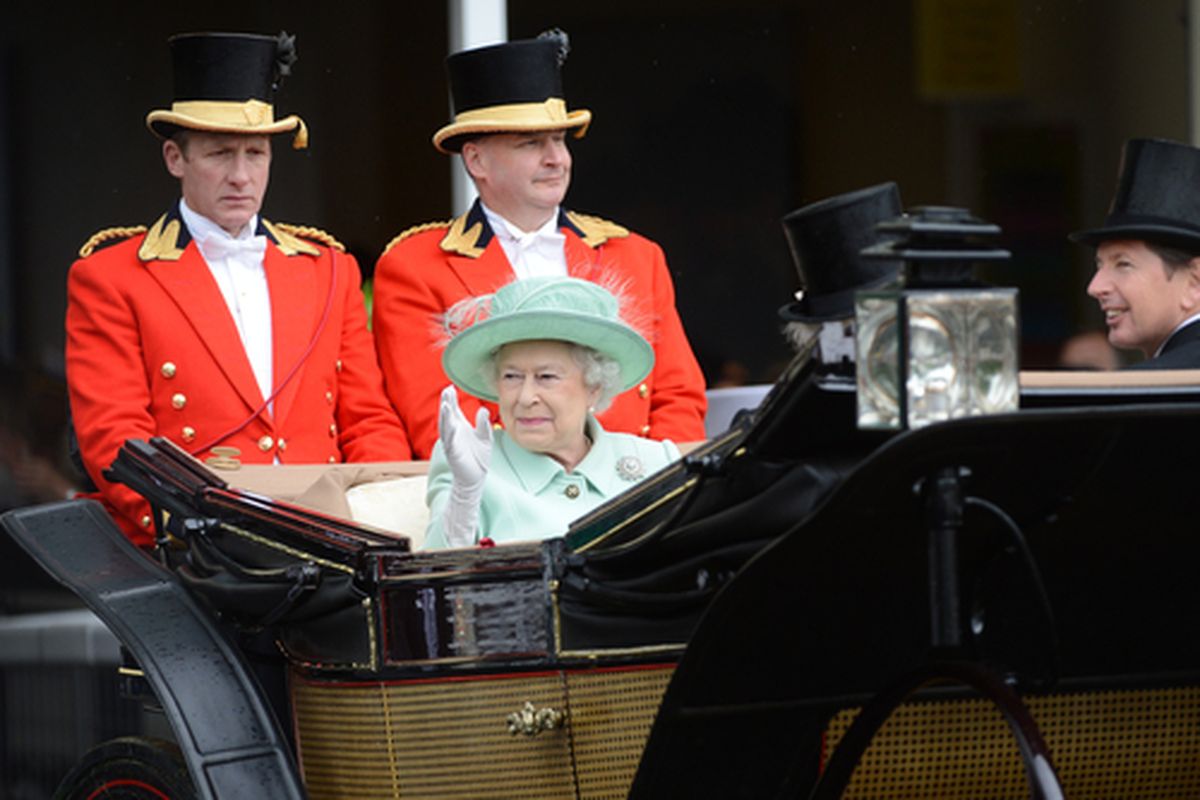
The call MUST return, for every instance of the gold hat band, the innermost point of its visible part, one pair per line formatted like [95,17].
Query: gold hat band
[253,113]
[551,114]
[553,110]
[228,116]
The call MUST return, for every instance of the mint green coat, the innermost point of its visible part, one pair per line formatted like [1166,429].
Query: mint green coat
[530,496]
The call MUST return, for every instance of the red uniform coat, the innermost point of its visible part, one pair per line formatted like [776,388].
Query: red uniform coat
[152,350]
[429,268]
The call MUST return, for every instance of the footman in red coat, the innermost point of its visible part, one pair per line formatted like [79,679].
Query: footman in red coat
[510,127]
[241,340]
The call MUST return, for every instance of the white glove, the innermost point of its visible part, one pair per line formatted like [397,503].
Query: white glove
[468,452]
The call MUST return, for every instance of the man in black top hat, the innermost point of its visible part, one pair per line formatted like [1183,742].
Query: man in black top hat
[826,240]
[1147,277]
[239,339]
[510,125]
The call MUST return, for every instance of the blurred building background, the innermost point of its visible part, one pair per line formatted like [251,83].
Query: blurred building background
[713,118]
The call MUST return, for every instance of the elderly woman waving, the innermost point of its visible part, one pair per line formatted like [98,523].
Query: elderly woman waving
[550,352]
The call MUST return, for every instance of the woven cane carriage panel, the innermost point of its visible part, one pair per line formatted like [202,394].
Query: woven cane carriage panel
[611,715]
[450,738]
[430,740]
[1104,744]
[344,741]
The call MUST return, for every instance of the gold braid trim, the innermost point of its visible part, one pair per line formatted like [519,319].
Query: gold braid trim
[309,232]
[108,235]
[415,229]
[596,231]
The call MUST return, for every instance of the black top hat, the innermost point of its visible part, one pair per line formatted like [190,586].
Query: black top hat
[826,239]
[225,83]
[1157,197]
[515,86]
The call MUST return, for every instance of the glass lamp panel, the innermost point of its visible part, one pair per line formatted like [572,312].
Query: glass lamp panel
[935,384]
[962,357]
[877,359]
[994,386]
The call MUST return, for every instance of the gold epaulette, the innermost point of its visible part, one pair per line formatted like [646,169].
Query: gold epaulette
[415,229]
[309,232]
[462,240]
[109,235]
[596,231]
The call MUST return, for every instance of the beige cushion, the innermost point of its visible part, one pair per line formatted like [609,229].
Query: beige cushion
[396,504]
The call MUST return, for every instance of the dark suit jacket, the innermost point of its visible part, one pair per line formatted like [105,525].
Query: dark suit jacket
[1182,351]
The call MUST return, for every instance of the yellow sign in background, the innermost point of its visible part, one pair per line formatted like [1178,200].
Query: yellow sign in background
[967,49]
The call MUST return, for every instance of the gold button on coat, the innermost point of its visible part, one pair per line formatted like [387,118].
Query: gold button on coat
[179,400]
[146,520]
[337,365]
[645,430]
[167,369]
[572,491]
[266,443]
[643,391]
[189,433]
[332,460]
[329,397]
[333,429]
[282,444]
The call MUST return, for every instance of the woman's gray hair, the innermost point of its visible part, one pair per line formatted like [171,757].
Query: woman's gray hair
[600,372]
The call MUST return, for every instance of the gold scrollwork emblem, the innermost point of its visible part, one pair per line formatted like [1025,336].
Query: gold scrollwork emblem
[530,721]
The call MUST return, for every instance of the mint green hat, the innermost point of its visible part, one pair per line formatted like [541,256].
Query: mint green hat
[547,307]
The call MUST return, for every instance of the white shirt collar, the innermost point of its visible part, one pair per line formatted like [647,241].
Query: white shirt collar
[532,253]
[505,229]
[201,227]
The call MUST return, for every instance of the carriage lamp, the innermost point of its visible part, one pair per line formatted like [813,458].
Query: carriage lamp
[942,346]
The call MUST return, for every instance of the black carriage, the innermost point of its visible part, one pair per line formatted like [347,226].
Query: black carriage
[967,609]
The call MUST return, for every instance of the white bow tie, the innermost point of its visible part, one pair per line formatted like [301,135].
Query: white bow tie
[220,247]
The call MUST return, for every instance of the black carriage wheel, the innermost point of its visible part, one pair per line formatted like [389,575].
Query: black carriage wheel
[130,768]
